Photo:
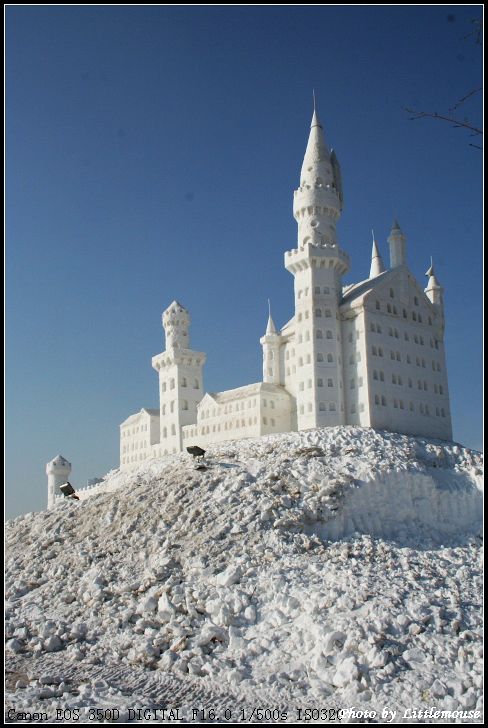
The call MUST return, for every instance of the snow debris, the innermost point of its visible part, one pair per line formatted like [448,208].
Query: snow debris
[339,563]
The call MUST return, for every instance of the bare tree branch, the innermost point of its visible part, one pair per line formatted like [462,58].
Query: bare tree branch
[450,117]
[434,115]
[471,93]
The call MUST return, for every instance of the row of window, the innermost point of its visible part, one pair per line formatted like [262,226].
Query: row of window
[291,353]
[396,356]
[378,375]
[376,328]
[133,458]
[168,361]
[134,431]
[318,313]
[320,383]
[184,383]
[329,358]
[230,425]
[169,408]
[323,407]
[135,446]
[330,383]
[317,291]
[320,358]
[424,409]
[327,313]
[318,335]
[236,407]
[172,431]
[391,308]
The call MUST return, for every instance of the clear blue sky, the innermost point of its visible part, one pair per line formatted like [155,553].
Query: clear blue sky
[152,154]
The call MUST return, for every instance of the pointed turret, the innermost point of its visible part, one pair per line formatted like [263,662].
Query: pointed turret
[433,290]
[317,202]
[271,342]
[397,242]
[270,328]
[377,265]
[317,155]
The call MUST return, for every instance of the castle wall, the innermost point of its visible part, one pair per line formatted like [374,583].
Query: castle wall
[355,369]
[407,376]
[138,435]
[244,412]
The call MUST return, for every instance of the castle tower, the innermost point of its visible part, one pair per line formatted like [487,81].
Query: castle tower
[180,378]
[314,358]
[397,242]
[57,471]
[271,342]
[377,266]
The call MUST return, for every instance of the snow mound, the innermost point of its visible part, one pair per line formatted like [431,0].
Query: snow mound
[339,563]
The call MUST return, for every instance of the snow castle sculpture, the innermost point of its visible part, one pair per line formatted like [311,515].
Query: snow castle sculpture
[369,353]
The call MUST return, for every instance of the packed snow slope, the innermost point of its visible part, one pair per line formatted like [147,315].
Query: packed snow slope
[334,568]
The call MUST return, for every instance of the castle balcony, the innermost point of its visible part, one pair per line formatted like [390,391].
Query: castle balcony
[308,199]
[314,256]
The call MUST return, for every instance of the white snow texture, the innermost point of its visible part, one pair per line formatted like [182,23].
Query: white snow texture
[336,568]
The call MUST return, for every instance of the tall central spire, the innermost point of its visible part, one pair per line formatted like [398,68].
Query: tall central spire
[315,116]
[318,200]
[317,156]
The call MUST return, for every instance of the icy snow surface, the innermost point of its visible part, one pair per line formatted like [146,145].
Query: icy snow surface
[332,568]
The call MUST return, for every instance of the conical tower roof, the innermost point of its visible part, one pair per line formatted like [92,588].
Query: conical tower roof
[377,265]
